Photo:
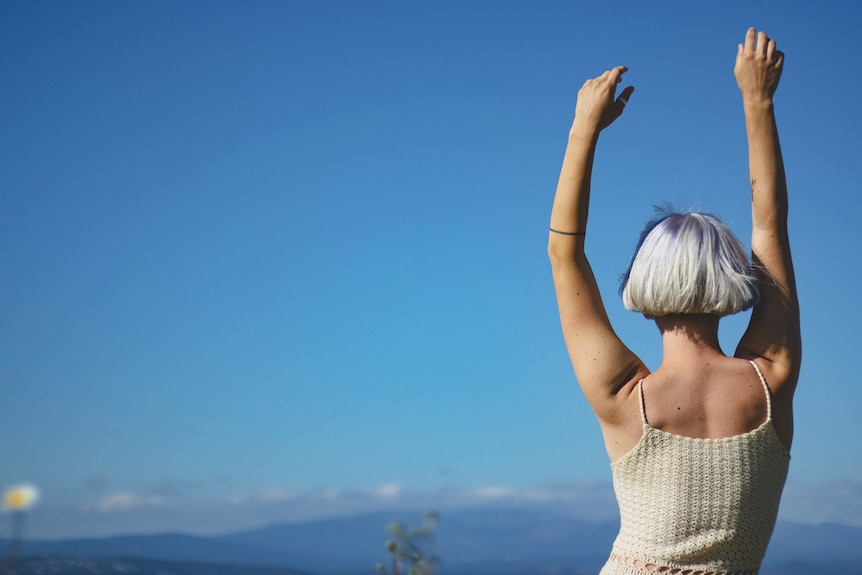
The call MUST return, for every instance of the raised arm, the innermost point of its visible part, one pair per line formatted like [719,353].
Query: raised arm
[773,333]
[602,364]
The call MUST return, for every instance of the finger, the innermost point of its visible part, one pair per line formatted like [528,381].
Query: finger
[750,40]
[770,50]
[615,75]
[779,59]
[762,41]
[624,96]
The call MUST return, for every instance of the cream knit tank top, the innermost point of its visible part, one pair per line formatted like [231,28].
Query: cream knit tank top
[693,506]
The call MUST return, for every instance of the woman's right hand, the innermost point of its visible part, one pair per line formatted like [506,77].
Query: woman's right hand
[597,108]
[758,66]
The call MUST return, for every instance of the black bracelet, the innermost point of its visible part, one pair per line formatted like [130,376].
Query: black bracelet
[568,233]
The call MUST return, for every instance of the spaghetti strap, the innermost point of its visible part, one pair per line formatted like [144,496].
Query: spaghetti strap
[765,388]
[643,405]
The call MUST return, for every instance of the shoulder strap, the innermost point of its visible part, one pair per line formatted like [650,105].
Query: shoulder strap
[643,405]
[765,388]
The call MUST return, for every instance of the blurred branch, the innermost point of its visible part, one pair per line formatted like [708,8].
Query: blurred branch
[412,547]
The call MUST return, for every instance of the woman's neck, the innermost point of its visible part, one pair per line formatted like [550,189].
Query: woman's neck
[688,338]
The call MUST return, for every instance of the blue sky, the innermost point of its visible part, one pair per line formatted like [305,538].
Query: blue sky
[270,261]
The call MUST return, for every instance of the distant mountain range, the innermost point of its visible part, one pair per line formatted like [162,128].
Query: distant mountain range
[78,566]
[474,542]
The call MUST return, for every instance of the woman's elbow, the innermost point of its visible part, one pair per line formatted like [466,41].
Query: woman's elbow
[562,252]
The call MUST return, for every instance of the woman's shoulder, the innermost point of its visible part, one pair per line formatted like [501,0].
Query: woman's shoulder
[780,377]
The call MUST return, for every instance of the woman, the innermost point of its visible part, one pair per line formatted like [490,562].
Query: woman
[699,448]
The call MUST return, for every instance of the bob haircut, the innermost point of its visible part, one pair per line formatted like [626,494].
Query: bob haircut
[688,263]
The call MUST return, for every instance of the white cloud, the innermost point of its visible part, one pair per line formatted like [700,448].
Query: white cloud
[329,494]
[126,501]
[494,492]
[839,502]
[274,495]
[389,491]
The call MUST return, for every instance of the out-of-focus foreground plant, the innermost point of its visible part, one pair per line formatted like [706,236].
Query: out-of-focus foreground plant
[412,547]
[17,500]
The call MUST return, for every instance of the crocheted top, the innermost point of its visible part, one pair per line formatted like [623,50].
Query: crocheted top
[694,506]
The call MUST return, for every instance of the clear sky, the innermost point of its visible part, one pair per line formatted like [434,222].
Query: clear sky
[266,261]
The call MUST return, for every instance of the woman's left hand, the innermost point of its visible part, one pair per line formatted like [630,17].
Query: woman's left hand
[597,107]
[758,66]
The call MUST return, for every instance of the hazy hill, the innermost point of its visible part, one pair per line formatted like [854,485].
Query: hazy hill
[77,566]
[475,542]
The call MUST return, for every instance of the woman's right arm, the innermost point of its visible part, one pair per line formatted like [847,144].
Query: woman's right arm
[603,364]
[773,333]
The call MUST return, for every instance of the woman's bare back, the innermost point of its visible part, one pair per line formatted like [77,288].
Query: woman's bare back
[720,399]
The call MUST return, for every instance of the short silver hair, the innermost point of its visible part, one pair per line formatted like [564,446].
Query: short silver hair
[688,263]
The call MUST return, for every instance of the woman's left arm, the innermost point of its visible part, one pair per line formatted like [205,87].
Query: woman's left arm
[773,332]
[603,364]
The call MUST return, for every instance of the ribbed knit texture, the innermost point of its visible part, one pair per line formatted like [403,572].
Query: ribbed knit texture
[692,505]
